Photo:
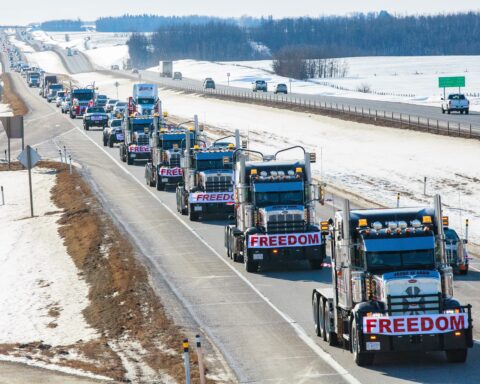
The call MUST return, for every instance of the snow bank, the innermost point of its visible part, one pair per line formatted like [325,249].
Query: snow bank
[49,61]
[376,162]
[41,295]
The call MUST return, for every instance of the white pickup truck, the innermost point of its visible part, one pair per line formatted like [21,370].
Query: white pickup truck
[455,102]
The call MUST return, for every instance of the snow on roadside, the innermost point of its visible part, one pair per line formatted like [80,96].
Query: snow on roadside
[41,295]
[47,60]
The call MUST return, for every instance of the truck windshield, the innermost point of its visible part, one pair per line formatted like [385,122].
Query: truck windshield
[141,127]
[56,86]
[169,144]
[83,96]
[205,165]
[400,260]
[145,101]
[265,199]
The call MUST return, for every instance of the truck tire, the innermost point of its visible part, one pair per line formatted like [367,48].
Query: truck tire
[463,271]
[467,111]
[193,216]
[329,335]
[129,159]
[443,110]
[448,111]
[456,355]
[87,127]
[104,141]
[251,266]
[317,320]
[110,142]
[160,186]
[362,359]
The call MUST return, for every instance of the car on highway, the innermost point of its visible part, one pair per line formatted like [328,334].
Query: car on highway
[113,133]
[110,105]
[66,104]
[114,67]
[259,85]
[209,84]
[119,109]
[281,88]
[134,70]
[59,99]
[177,76]
[101,101]
[456,102]
[95,117]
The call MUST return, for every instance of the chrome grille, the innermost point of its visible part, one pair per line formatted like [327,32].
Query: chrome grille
[215,183]
[286,223]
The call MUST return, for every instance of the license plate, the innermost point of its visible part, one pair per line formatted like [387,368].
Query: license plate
[132,155]
[258,256]
[164,180]
[120,137]
[373,345]
[197,208]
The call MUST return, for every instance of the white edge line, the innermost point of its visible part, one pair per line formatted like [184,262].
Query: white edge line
[297,328]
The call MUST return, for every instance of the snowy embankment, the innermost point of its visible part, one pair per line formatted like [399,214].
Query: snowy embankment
[41,293]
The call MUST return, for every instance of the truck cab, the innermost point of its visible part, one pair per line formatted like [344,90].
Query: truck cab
[392,288]
[33,79]
[52,91]
[145,101]
[136,144]
[164,170]
[81,99]
[207,186]
[274,213]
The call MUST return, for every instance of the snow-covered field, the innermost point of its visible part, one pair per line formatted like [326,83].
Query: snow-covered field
[41,294]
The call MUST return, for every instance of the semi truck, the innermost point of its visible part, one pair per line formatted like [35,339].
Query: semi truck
[392,288]
[33,79]
[145,101]
[81,99]
[207,186]
[52,91]
[274,211]
[136,139]
[166,68]
[45,83]
[168,142]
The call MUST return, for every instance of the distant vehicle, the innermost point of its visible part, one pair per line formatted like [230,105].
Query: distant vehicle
[95,117]
[455,248]
[119,109]
[455,102]
[166,68]
[135,70]
[177,75]
[69,52]
[144,100]
[110,105]
[113,133]
[53,89]
[101,101]
[60,98]
[66,104]
[259,85]
[114,67]
[33,79]
[281,88]
[209,84]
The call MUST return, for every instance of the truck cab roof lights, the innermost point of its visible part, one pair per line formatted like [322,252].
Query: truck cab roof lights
[427,219]
[362,222]
[402,224]
[416,223]
[298,170]
[445,221]
[392,225]
[377,225]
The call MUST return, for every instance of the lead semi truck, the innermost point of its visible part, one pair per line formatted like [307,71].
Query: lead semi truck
[164,168]
[145,101]
[392,288]
[274,212]
[207,186]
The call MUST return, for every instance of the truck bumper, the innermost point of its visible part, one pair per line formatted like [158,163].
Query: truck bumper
[213,209]
[418,343]
[139,156]
[315,252]
[170,181]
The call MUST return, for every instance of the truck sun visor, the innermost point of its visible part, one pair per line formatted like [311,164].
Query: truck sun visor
[399,244]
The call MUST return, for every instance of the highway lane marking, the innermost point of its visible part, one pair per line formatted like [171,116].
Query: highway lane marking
[301,333]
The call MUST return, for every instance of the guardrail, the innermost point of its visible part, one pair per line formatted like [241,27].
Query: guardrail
[380,117]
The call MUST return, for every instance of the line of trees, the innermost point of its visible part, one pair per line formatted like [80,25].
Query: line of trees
[212,41]
[149,23]
[62,25]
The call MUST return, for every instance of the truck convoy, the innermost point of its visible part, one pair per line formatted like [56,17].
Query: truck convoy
[136,139]
[166,68]
[392,288]
[207,186]
[145,101]
[164,170]
[81,99]
[33,79]
[274,211]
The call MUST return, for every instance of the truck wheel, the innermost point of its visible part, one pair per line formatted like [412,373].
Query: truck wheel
[329,336]
[192,215]
[316,302]
[71,116]
[467,111]
[456,355]
[463,271]
[362,359]
[104,141]
[448,111]
[250,266]
[129,159]
[315,264]
[443,110]
[110,143]
[160,185]
[87,127]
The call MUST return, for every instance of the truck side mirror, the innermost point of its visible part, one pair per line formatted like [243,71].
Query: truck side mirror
[443,98]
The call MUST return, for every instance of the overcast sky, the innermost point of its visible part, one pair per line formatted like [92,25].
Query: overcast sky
[26,11]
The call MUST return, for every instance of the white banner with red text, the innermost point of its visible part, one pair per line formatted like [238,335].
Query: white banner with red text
[170,172]
[138,148]
[285,240]
[211,197]
[415,324]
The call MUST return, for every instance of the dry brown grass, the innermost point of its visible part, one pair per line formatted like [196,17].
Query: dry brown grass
[10,96]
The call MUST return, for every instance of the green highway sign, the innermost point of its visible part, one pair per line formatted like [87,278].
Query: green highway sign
[447,82]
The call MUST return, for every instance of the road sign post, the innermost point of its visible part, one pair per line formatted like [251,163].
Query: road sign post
[29,158]
[13,126]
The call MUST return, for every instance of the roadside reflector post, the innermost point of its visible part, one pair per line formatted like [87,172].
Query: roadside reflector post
[186,361]
[61,156]
[5,155]
[201,366]
[3,196]
[29,166]
[425,186]
[70,158]
[398,200]
[65,154]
